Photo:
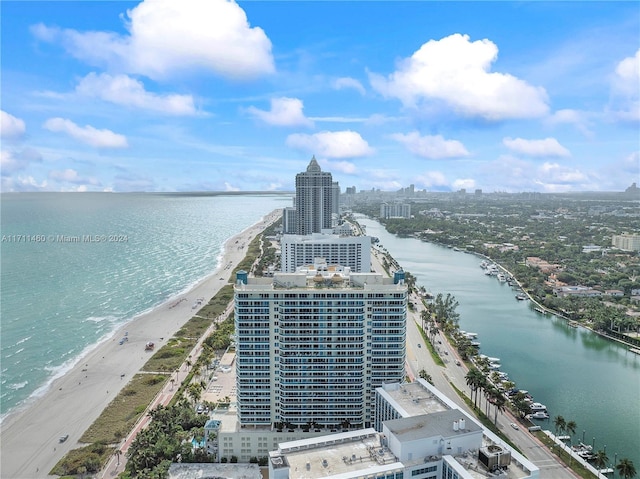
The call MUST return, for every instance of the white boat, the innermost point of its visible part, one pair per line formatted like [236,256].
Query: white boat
[536,406]
[501,277]
[539,415]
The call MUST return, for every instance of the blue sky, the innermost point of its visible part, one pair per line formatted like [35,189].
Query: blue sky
[196,95]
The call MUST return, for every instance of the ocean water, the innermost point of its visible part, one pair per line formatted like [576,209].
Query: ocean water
[77,266]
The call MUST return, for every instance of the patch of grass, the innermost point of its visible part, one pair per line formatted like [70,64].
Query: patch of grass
[126,408]
[90,458]
[434,354]
[170,356]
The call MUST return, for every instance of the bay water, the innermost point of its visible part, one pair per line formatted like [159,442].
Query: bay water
[77,266]
[573,371]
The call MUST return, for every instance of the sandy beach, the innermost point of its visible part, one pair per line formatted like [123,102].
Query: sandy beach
[29,440]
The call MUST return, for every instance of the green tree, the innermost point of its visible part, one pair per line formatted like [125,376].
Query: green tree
[626,469]
[600,460]
[559,423]
[475,380]
[426,376]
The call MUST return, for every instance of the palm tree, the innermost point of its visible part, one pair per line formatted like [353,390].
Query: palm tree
[474,380]
[570,427]
[194,391]
[118,453]
[626,469]
[559,423]
[601,459]
[426,376]
[499,402]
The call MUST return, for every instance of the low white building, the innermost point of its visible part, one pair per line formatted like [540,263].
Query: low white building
[353,252]
[446,443]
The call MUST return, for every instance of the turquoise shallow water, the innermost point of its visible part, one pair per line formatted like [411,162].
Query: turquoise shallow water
[574,372]
[60,297]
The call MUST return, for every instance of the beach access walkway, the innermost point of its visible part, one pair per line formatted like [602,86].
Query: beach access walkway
[118,462]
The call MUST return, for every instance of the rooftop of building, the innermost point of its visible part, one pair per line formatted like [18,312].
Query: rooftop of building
[363,454]
[444,424]
[219,471]
[328,456]
[416,400]
[321,276]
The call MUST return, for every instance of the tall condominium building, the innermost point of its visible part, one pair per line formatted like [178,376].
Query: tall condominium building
[395,210]
[312,346]
[626,242]
[314,200]
[353,252]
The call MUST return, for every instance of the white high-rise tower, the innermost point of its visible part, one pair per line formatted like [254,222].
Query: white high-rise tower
[312,346]
[314,200]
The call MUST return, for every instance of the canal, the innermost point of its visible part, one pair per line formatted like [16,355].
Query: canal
[573,371]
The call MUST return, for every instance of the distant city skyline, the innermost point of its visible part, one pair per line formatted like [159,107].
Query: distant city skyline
[222,96]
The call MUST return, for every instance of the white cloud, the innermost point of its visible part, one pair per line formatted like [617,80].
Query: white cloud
[548,147]
[431,179]
[627,75]
[87,134]
[166,37]
[345,167]
[626,89]
[284,112]
[580,119]
[10,162]
[127,91]
[10,126]
[555,174]
[431,146]
[508,173]
[455,71]
[331,144]
[229,187]
[71,176]
[348,82]
[464,183]
[22,183]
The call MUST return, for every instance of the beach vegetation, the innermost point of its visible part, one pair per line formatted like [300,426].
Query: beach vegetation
[122,413]
[88,459]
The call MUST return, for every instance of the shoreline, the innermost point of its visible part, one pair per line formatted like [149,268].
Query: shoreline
[73,401]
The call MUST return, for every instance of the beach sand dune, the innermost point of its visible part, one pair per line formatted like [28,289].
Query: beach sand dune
[29,440]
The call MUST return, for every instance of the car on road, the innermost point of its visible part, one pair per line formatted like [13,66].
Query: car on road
[458,363]
[447,353]
[515,426]
[63,438]
[419,345]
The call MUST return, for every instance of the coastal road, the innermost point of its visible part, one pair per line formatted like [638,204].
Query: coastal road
[418,358]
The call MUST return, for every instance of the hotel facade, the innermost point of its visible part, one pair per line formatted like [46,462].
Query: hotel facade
[312,346]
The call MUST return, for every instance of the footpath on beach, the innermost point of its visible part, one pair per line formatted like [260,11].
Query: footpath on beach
[163,398]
